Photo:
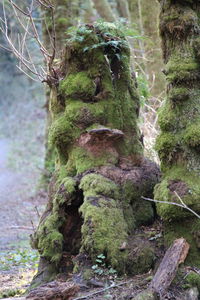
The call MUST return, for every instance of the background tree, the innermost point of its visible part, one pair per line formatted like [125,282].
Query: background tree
[178,143]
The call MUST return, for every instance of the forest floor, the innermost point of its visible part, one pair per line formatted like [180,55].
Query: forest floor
[22,128]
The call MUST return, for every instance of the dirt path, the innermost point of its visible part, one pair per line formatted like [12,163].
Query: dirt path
[16,208]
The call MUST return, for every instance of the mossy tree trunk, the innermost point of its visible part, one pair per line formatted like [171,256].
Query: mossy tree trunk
[179,142]
[95,197]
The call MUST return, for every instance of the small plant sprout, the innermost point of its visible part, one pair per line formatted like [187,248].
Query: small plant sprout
[100,267]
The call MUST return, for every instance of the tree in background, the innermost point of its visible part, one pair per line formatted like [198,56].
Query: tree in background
[178,143]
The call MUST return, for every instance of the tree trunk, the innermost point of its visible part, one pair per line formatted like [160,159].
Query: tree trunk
[66,14]
[101,173]
[123,9]
[179,141]
[104,10]
[145,15]
[89,13]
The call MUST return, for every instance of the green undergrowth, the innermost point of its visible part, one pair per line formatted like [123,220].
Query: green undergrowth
[23,258]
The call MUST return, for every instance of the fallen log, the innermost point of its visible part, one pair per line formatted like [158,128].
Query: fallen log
[54,290]
[166,272]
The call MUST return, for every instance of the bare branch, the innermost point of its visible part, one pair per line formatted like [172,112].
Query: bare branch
[19,47]
[18,8]
[31,77]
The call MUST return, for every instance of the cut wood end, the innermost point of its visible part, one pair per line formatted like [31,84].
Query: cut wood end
[185,250]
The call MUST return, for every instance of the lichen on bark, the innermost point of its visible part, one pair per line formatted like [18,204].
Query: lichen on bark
[178,143]
[95,196]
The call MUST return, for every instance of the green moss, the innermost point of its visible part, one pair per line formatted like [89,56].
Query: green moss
[69,184]
[97,184]
[130,192]
[100,232]
[193,279]
[179,94]
[167,117]
[51,246]
[62,131]
[78,85]
[142,259]
[179,119]
[180,69]
[179,228]
[129,216]
[84,160]
[48,240]
[110,29]
[166,144]
[85,114]
[12,292]
[191,197]
[192,135]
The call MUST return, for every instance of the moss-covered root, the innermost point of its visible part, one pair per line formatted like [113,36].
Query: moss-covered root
[179,141]
[104,229]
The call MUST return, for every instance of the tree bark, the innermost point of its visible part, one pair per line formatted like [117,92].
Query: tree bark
[145,15]
[179,141]
[123,9]
[101,173]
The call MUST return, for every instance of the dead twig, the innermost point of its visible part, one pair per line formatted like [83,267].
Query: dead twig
[182,204]
[21,227]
